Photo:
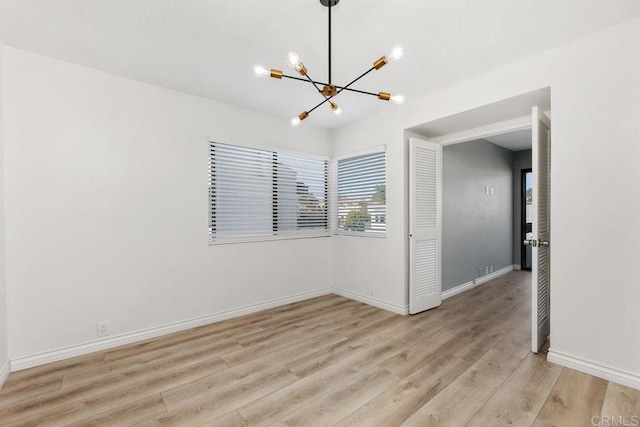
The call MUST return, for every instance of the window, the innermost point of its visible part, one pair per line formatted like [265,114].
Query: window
[257,195]
[362,184]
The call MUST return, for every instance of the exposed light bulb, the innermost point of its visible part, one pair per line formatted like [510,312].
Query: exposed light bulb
[396,53]
[336,109]
[293,59]
[260,71]
[296,120]
[296,64]
[398,99]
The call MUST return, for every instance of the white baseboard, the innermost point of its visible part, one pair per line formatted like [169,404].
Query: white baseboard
[4,373]
[30,361]
[398,309]
[479,281]
[517,267]
[494,275]
[597,370]
[459,289]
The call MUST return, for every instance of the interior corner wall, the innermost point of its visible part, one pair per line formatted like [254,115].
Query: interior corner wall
[477,231]
[4,340]
[364,266]
[521,160]
[107,207]
[594,161]
[359,263]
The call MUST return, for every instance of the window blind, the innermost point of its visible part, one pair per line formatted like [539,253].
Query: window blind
[361,194]
[257,195]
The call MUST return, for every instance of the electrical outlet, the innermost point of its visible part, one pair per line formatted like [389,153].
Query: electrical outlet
[491,192]
[491,268]
[486,270]
[486,190]
[103,328]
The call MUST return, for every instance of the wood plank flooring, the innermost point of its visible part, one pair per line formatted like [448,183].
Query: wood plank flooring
[328,361]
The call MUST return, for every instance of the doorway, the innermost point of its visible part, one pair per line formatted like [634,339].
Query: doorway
[455,130]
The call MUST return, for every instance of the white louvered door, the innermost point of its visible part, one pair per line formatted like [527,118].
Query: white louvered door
[425,225]
[541,230]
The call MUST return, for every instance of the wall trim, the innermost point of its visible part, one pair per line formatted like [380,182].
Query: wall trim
[494,275]
[398,309]
[517,267]
[458,289]
[4,373]
[30,361]
[477,282]
[601,371]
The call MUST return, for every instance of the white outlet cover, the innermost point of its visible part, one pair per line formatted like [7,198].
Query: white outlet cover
[103,328]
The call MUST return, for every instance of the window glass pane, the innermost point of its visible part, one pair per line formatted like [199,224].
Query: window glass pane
[362,194]
[302,193]
[261,195]
[244,192]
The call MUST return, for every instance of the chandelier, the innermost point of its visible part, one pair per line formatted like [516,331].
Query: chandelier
[330,90]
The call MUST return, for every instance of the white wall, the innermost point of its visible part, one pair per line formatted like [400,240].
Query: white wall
[4,345]
[596,113]
[595,206]
[107,207]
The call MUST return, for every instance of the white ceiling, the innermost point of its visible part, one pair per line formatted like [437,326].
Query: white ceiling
[208,47]
[515,141]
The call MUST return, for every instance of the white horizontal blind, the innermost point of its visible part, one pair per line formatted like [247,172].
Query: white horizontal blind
[361,198]
[257,195]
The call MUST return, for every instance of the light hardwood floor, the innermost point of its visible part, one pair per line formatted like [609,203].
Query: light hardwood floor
[328,361]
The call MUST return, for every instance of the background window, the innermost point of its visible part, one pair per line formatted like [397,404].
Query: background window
[362,188]
[259,195]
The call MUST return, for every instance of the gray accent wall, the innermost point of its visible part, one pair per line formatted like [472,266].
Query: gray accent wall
[521,160]
[477,227]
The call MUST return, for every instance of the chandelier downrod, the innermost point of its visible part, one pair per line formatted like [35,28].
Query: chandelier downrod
[330,6]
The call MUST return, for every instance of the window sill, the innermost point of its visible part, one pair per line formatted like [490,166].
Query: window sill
[361,234]
[222,241]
